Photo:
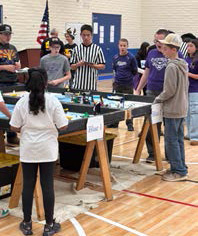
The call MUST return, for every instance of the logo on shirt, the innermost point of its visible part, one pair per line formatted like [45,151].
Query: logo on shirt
[159,63]
[121,63]
[7,56]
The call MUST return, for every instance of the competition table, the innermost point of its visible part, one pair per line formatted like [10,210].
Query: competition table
[134,106]
[76,126]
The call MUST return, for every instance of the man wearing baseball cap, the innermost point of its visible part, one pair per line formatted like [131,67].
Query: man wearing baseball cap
[174,99]
[45,47]
[9,63]
[56,65]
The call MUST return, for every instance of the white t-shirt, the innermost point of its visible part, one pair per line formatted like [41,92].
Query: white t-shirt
[38,142]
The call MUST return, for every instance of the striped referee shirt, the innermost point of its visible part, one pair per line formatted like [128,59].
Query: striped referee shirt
[85,77]
[183,49]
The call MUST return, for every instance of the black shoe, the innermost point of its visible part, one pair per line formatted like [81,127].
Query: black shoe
[51,229]
[150,159]
[130,127]
[115,125]
[26,227]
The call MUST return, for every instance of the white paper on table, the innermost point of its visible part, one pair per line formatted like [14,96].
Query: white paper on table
[156,113]
[95,128]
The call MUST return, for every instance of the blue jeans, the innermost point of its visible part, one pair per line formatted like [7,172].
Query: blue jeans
[174,144]
[192,117]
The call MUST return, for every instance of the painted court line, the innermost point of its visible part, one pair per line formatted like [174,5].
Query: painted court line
[160,198]
[115,224]
[78,227]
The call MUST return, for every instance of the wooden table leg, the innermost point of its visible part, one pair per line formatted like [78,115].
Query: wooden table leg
[2,142]
[39,199]
[85,164]
[104,168]
[17,189]
[156,146]
[141,141]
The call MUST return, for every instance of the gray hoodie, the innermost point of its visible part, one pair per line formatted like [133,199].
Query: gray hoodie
[175,90]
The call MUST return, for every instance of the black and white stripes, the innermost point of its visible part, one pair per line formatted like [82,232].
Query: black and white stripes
[85,77]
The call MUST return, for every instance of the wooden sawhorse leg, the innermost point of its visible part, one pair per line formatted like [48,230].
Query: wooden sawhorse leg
[2,142]
[155,140]
[104,166]
[17,190]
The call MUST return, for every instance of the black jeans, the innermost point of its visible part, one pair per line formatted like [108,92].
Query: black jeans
[47,184]
[149,144]
[124,89]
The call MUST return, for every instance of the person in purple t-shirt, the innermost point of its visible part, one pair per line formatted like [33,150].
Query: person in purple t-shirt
[153,76]
[124,67]
[192,117]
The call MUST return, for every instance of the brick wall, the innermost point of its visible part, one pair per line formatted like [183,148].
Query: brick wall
[140,18]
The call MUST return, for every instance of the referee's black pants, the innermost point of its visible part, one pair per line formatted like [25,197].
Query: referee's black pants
[47,184]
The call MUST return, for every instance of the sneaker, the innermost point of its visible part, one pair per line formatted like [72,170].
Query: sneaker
[130,127]
[51,229]
[150,159]
[115,125]
[186,137]
[194,143]
[173,177]
[26,227]
[13,140]
[4,213]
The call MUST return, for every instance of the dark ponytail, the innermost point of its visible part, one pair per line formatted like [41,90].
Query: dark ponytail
[36,85]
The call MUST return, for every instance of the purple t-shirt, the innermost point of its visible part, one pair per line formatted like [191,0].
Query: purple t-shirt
[156,62]
[124,67]
[193,68]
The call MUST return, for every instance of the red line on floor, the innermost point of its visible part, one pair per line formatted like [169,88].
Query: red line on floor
[160,198]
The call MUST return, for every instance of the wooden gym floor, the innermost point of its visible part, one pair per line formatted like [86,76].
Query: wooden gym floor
[149,207]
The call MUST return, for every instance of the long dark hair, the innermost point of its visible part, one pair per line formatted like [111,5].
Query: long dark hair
[36,85]
[142,52]
[195,54]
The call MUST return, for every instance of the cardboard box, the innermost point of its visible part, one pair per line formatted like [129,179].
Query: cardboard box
[72,149]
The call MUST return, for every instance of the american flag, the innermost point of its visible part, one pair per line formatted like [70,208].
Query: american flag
[44,27]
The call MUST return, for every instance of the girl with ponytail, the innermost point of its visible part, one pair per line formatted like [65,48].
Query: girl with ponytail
[191,120]
[38,115]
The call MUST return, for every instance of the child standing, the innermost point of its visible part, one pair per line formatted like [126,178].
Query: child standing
[174,99]
[191,121]
[38,115]
[56,65]
[124,67]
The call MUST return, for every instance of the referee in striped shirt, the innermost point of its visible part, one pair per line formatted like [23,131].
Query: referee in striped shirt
[86,60]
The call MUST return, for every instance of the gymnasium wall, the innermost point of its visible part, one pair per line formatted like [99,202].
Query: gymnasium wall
[178,16]
[25,17]
[140,18]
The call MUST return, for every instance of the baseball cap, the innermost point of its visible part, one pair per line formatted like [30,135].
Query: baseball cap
[54,40]
[5,29]
[172,39]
